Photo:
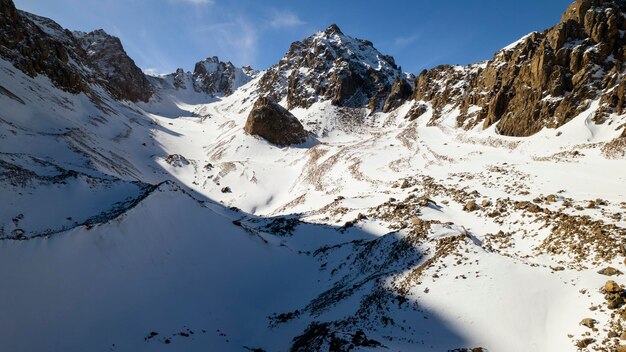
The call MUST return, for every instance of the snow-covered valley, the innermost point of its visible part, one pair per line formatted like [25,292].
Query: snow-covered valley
[162,225]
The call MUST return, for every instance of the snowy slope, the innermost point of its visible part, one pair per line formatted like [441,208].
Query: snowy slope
[162,225]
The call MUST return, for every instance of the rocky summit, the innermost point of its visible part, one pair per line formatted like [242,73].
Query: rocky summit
[210,77]
[330,65]
[328,202]
[118,71]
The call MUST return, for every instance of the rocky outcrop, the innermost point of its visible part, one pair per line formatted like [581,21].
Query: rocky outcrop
[215,77]
[401,90]
[334,67]
[544,80]
[210,76]
[274,123]
[118,71]
[73,61]
[24,43]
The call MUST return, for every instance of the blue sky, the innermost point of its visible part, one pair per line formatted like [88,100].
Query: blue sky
[161,35]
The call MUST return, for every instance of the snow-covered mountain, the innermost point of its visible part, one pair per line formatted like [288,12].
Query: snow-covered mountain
[210,81]
[210,76]
[118,71]
[321,205]
[332,66]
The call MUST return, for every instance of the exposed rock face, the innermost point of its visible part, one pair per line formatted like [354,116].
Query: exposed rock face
[274,123]
[401,90]
[120,74]
[332,66]
[214,77]
[210,76]
[545,79]
[73,61]
[35,51]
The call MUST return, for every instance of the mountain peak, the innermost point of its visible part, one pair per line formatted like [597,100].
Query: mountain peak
[210,76]
[579,8]
[123,78]
[333,29]
[212,59]
[330,65]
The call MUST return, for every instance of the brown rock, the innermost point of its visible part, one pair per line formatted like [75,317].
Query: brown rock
[588,322]
[612,287]
[615,303]
[25,44]
[470,206]
[274,123]
[583,343]
[609,271]
[543,81]
[121,76]
[416,111]
[400,91]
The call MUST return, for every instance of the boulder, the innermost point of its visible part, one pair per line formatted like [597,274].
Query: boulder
[470,206]
[274,123]
[588,322]
[610,271]
[612,287]
[177,160]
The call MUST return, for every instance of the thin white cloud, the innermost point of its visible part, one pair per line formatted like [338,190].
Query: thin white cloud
[402,42]
[195,2]
[285,19]
[236,40]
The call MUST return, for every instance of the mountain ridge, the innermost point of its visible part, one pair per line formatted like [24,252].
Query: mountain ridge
[544,80]
[190,220]
[329,65]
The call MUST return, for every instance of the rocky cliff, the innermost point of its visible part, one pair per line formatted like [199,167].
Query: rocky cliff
[73,61]
[37,45]
[543,80]
[210,76]
[215,77]
[333,66]
[118,71]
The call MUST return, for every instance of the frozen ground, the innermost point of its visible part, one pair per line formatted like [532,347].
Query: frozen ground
[115,225]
